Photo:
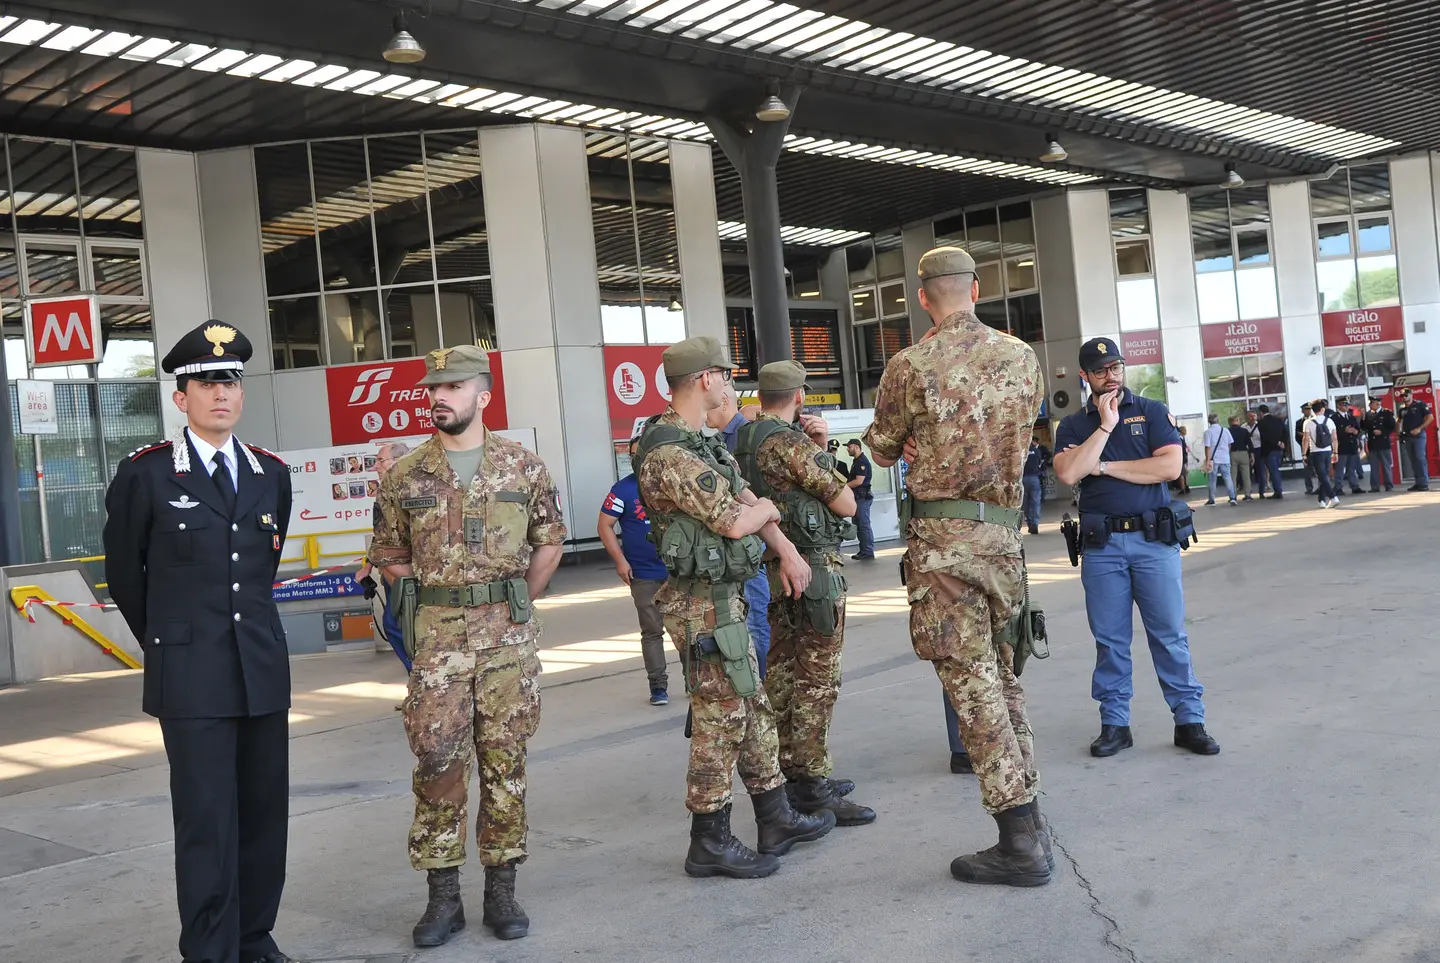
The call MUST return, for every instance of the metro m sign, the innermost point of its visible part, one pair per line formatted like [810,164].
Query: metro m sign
[64,331]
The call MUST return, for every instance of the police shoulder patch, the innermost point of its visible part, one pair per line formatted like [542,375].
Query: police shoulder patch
[707,482]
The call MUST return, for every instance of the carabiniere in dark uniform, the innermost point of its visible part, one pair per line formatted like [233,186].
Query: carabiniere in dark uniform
[193,538]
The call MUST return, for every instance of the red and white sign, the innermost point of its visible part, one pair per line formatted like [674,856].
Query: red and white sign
[64,331]
[638,389]
[1363,326]
[385,400]
[1141,347]
[1241,337]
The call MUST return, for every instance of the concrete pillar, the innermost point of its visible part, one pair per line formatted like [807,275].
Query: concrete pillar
[1174,264]
[915,240]
[1414,204]
[547,306]
[1097,304]
[702,281]
[1292,236]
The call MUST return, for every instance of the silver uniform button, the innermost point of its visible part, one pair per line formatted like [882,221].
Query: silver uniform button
[233,527]
[157,641]
[182,526]
[235,587]
[237,616]
[234,556]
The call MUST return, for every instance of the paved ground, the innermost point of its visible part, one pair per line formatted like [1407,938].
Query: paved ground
[1309,838]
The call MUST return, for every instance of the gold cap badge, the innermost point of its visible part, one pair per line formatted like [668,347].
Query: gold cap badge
[441,355]
[219,334]
[1101,347]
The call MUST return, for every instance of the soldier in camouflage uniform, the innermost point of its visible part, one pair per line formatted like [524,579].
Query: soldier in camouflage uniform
[965,400]
[782,455]
[476,519]
[705,523]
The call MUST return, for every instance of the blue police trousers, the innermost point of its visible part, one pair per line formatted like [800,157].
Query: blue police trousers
[757,620]
[1127,572]
[1034,493]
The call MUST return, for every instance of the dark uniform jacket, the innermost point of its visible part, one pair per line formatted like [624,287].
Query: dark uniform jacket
[193,581]
[1382,421]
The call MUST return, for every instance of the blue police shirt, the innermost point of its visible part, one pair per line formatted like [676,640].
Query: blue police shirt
[1143,430]
[1035,460]
[623,503]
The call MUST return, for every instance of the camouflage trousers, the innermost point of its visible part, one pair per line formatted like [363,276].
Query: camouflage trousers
[726,730]
[802,679]
[463,706]
[953,622]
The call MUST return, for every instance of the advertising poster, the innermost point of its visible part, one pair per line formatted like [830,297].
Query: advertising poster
[384,400]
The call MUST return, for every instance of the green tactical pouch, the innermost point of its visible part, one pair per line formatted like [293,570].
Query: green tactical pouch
[517,595]
[407,606]
[733,641]
[677,547]
[742,558]
[818,603]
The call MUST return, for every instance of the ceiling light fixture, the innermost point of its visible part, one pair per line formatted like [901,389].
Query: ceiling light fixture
[772,108]
[1054,153]
[675,305]
[403,48]
[1232,178]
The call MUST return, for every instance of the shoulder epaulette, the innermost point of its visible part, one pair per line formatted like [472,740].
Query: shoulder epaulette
[264,451]
[147,449]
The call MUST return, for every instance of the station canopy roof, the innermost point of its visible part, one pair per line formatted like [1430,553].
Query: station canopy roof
[907,108]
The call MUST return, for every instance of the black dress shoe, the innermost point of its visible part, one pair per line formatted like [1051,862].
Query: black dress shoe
[1111,740]
[960,763]
[1193,736]
[275,956]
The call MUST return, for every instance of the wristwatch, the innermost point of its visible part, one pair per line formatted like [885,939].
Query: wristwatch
[1102,467]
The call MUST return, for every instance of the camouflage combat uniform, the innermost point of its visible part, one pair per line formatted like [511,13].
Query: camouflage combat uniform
[474,689]
[727,730]
[802,676]
[968,396]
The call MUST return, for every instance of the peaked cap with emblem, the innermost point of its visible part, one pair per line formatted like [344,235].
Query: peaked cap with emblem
[448,366]
[1097,353]
[214,351]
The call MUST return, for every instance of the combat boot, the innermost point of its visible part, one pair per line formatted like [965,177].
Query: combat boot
[842,787]
[714,850]
[445,913]
[1017,860]
[1042,829]
[817,795]
[781,827]
[502,914]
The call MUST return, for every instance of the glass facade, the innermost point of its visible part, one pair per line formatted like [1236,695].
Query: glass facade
[1002,242]
[374,247]
[1134,259]
[879,312]
[71,223]
[1234,266]
[1354,239]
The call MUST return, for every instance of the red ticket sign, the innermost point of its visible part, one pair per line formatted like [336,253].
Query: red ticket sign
[1363,326]
[1238,338]
[384,399]
[635,374]
[1141,347]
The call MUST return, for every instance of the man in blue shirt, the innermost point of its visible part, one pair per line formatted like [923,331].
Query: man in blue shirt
[727,420]
[1122,449]
[1415,420]
[639,566]
[1036,461]
[860,475]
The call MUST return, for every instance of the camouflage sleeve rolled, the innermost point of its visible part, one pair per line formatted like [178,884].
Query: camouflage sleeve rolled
[694,487]
[788,455]
[886,435]
[391,542]
[547,522]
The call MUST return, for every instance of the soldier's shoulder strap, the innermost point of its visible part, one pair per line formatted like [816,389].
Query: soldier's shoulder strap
[653,436]
[264,451]
[747,450]
[141,452]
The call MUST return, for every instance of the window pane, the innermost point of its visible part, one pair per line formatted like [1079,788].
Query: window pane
[12,317]
[982,230]
[613,216]
[665,317]
[295,332]
[46,201]
[1025,318]
[9,263]
[467,314]
[1146,380]
[860,261]
[1017,229]
[1383,362]
[863,303]
[75,475]
[342,210]
[410,321]
[892,300]
[950,231]
[1332,239]
[889,257]
[989,277]
[1138,308]
[1344,368]
[1253,247]
[110,191]
[1330,197]
[402,216]
[52,267]
[1252,374]
[1249,206]
[1372,235]
[994,314]
[457,204]
[117,271]
[130,414]
[1370,188]
[659,248]
[1272,373]
[1129,213]
[128,333]
[353,322]
[1216,293]
[1132,258]
[1379,281]
[1020,274]
[1225,377]
[1336,280]
[1258,298]
[287,219]
[1210,232]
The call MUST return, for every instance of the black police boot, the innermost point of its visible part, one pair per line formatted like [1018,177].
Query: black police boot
[502,914]
[817,795]
[275,956]
[714,850]
[1193,736]
[1111,740]
[1017,860]
[960,763]
[842,787]
[781,827]
[1042,829]
[445,913]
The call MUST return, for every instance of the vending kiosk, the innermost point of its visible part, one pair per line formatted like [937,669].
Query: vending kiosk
[1423,389]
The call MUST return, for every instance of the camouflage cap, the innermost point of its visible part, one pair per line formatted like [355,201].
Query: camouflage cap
[782,376]
[695,354]
[448,366]
[944,261]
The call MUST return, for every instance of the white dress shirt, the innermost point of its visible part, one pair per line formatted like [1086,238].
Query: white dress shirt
[206,451]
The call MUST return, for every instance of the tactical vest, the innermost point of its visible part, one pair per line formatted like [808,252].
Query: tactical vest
[811,526]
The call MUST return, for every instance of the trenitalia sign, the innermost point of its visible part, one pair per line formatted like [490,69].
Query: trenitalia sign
[1363,326]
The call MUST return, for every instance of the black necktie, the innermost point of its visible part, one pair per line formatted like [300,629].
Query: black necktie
[221,477]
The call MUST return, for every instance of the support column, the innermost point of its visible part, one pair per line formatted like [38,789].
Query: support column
[754,154]
[1413,202]
[915,241]
[1174,265]
[835,286]
[702,278]
[1293,237]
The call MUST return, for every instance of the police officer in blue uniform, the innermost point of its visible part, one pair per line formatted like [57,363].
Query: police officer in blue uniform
[1122,449]
[1415,420]
[1037,459]
[193,537]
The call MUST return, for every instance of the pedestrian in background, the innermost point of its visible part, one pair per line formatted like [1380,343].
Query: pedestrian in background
[638,565]
[1037,460]
[860,476]
[1379,427]
[1347,449]
[1182,483]
[1240,456]
[1256,449]
[1415,421]
[1217,458]
[1306,411]
[1319,449]
[833,447]
[1273,442]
